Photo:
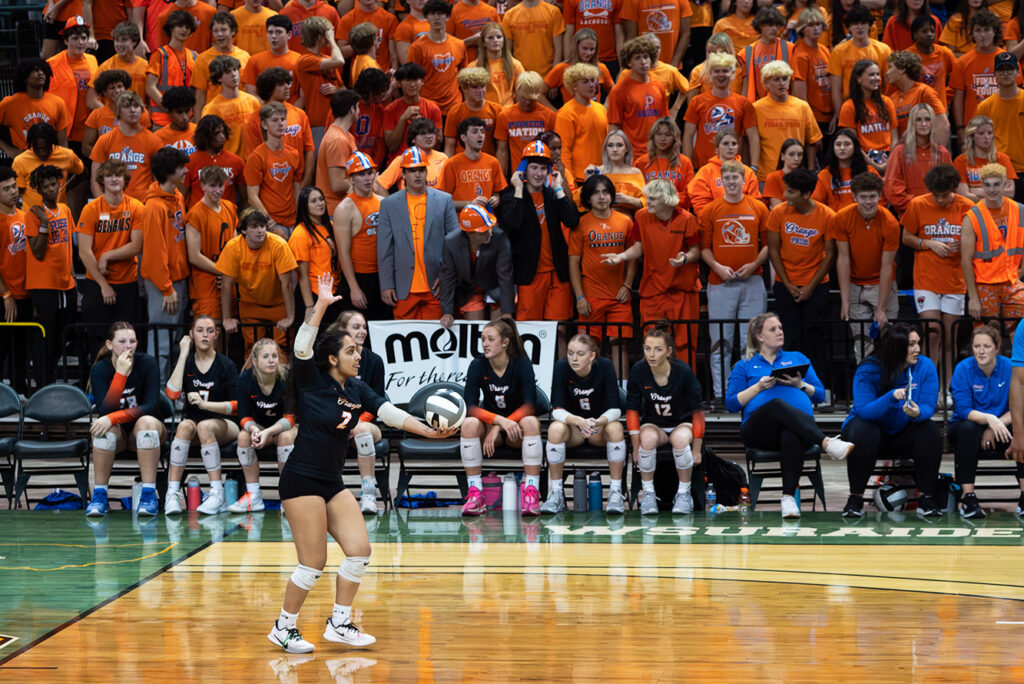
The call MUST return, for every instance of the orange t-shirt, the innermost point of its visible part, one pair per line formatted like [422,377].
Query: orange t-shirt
[679,173]
[928,221]
[135,151]
[740,30]
[19,112]
[215,229]
[102,120]
[710,114]
[467,20]
[363,249]
[867,241]
[409,29]
[202,12]
[773,185]
[232,165]
[969,171]
[634,107]
[706,185]
[545,262]
[252,29]
[311,78]
[465,179]
[582,130]
[53,272]
[936,69]
[298,14]
[874,133]
[317,252]
[335,149]
[777,121]
[760,54]
[593,238]
[839,197]
[660,17]
[12,252]
[801,239]
[846,54]
[810,65]
[70,82]
[27,162]
[532,31]
[733,232]
[974,73]
[135,69]
[111,228]
[393,173]
[361,63]
[417,205]
[256,271]
[556,79]
[234,112]
[275,172]
[489,113]
[661,241]
[179,140]
[517,128]
[297,133]
[917,94]
[600,16]
[262,61]
[442,62]
[201,70]
[386,23]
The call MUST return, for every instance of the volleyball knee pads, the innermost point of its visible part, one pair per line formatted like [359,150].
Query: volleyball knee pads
[533,451]
[353,568]
[211,456]
[364,444]
[647,460]
[179,451]
[556,453]
[105,442]
[305,577]
[246,456]
[683,458]
[472,453]
[147,439]
[616,451]
[283,452]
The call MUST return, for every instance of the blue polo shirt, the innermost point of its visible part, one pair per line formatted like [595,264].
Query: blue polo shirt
[974,391]
[750,371]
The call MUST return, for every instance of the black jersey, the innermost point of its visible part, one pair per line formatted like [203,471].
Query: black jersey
[136,395]
[502,394]
[264,409]
[665,405]
[371,370]
[586,397]
[216,384]
[326,413]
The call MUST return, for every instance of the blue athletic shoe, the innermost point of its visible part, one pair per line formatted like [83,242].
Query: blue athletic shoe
[148,504]
[99,504]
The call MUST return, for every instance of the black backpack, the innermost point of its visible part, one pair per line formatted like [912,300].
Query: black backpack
[728,477]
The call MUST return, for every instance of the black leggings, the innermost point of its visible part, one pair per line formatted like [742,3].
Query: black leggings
[126,307]
[777,426]
[965,437]
[919,441]
[55,311]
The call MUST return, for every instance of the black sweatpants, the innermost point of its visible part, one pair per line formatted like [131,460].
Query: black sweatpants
[17,347]
[777,426]
[801,321]
[55,311]
[918,441]
[127,307]
[966,439]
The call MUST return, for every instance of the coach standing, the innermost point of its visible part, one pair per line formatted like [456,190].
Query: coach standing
[410,242]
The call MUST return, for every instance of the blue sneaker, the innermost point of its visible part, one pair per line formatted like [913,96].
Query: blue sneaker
[148,504]
[99,504]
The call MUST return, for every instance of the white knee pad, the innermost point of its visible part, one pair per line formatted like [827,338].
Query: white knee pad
[179,451]
[647,460]
[147,439]
[353,568]
[683,458]
[246,456]
[211,456]
[472,453]
[556,453]
[616,451]
[533,451]
[283,452]
[105,442]
[364,444]
[305,577]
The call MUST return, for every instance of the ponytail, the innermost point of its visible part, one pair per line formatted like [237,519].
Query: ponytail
[507,330]
[111,331]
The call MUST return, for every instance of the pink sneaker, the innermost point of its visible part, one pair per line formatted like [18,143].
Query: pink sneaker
[474,503]
[529,500]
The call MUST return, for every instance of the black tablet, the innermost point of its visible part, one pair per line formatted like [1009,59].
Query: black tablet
[791,371]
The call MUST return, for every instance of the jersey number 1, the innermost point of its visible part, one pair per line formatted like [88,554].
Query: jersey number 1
[346,418]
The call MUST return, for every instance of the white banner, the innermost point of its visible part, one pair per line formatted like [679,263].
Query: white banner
[417,353]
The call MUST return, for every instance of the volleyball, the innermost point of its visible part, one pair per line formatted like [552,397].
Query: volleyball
[890,498]
[445,408]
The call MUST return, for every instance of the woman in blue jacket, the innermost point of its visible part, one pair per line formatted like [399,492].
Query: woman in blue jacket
[981,412]
[895,390]
[778,412]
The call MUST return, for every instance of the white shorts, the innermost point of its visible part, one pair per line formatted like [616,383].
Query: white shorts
[926,300]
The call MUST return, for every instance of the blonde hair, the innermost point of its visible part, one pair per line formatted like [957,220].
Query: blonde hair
[663,190]
[280,374]
[970,153]
[127,99]
[312,29]
[720,59]
[579,72]
[754,328]
[992,171]
[776,69]
[733,166]
[507,63]
[809,16]
[530,84]
[910,137]
[582,35]
[473,77]
[627,159]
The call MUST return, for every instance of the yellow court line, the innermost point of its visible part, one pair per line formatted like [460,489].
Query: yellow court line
[89,565]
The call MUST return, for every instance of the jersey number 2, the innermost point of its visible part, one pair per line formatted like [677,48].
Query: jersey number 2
[346,418]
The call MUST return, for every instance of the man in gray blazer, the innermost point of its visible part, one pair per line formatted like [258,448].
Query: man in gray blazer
[477,263]
[410,240]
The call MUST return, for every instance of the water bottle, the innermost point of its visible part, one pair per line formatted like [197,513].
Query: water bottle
[579,490]
[509,493]
[136,495]
[710,498]
[955,492]
[595,491]
[230,491]
[744,501]
[193,495]
[796,497]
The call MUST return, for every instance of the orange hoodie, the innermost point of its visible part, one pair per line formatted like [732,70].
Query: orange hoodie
[706,185]
[164,253]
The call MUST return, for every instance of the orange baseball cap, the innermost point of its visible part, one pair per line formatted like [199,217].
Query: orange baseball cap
[74,22]
[413,158]
[476,219]
[359,162]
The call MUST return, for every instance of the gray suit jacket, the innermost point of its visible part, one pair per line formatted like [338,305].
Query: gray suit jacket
[493,272]
[395,259]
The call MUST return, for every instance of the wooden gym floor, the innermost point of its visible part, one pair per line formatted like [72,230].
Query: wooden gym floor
[577,598]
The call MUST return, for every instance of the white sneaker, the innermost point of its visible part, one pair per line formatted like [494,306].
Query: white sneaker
[790,509]
[347,634]
[616,502]
[683,502]
[837,449]
[249,503]
[368,501]
[174,503]
[648,503]
[289,639]
[213,503]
